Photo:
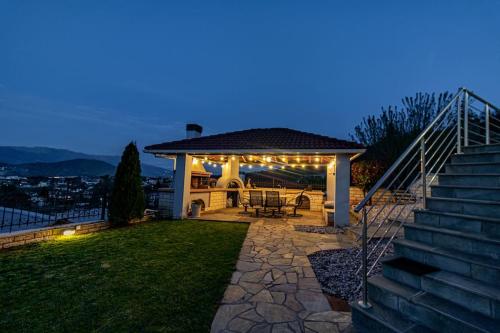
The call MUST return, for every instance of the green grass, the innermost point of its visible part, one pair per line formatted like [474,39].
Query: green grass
[156,277]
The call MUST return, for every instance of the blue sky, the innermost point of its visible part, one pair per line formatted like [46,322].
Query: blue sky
[93,75]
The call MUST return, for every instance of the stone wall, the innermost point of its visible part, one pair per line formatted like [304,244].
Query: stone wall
[218,200]
[356,195]
[37,235]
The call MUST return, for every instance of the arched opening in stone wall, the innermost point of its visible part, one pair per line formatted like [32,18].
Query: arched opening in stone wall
[306,202]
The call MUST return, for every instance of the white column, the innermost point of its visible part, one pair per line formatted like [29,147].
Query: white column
[330,182]
[234,168]
[342,182]
[182,186]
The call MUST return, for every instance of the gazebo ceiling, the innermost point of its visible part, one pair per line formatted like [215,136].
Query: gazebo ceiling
[273,141]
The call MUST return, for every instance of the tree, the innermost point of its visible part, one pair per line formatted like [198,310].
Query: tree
[386,136]
[13,196]
[127,198]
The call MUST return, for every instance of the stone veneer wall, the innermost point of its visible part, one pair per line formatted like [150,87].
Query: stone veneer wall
[37,235]
[218,200]
[356,195]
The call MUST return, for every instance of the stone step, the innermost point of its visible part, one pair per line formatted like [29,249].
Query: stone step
[469,265]
[381,319]
[463,222]
[474,295]
[405,271]
[495,147]
[466,192]
[470,179]
[472,157]
[426,309]
[476,167]
[484,208]
[477,244]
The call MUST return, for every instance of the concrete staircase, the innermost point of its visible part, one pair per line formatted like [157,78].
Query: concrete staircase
[445,274]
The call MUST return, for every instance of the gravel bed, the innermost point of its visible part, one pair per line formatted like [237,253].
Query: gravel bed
[336,270]
[318,229]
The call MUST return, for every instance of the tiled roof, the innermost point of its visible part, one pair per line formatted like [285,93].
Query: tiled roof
[257,139]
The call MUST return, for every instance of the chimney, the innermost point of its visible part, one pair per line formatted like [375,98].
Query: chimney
[193,131]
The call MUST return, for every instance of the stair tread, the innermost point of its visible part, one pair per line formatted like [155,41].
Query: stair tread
[473,187]
[468,174]
[466,284]
[478,153]
[471,258]
[389,318]
[450,309]
[478,201]
[436,304]
[465,216]
[474,163]
[458,233]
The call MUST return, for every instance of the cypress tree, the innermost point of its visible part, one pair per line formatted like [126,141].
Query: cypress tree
[127,198]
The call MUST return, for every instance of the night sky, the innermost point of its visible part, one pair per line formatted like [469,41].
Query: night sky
[92,75]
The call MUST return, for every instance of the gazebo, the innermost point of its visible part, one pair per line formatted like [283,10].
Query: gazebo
[254,149]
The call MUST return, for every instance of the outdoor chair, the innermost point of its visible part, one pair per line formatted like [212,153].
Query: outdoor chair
[274,202]
[295,203]
[256,201]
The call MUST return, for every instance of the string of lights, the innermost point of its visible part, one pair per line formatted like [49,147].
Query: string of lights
[267,161]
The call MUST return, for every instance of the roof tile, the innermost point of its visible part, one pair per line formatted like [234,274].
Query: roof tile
[259,138]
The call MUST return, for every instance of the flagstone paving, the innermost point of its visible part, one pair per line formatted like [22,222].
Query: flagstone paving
[274,289]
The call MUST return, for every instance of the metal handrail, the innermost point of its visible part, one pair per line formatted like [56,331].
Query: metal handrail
[446,134]
[415,142]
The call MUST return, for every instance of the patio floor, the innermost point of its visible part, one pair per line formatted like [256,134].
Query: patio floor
[233,215]
[274,288]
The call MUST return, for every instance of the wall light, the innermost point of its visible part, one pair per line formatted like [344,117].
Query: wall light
[68,232]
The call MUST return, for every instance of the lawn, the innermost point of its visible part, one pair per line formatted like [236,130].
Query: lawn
[163,277]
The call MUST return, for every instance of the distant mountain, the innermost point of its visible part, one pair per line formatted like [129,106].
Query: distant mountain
[76,167]
[39,155]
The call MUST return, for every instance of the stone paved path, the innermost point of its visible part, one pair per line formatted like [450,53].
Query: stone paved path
[274,288]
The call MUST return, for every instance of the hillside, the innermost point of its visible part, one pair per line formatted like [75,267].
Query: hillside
[31,157]
[76,167]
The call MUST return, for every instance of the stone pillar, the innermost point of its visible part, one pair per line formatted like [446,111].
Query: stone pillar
[182,186]
[342,182]
[330,182]
[234,168]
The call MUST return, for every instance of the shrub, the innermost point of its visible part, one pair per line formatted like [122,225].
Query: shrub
[127,197]
[365,173]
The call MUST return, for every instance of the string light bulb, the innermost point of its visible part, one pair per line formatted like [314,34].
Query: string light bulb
[282,167]
[303,166]
[250,166]
[316,159]
[233,158]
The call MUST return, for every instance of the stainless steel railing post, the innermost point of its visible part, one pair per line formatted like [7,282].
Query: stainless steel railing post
[487,122]
[466,118]
[364,258]
[459,128]
[422,171]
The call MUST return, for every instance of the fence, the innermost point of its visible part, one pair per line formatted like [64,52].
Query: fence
[59,208]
